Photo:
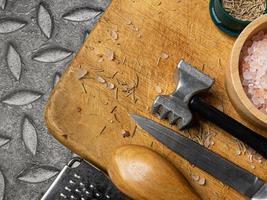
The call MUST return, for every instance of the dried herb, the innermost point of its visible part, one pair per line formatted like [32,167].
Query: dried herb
[134,131]
[246,10]
[113,110]
[84,89]
[103,129]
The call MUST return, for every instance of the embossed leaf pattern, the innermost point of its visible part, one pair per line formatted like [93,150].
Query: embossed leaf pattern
[51,55]
[29,135]
[37,174]
[56,79]
[3,6]
[45,20]
[21,23]
[81,14]
[9,25]
[22,97]
[3,141]
[2,186]
[14,61]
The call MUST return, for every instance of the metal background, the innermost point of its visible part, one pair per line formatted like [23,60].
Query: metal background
[29,157]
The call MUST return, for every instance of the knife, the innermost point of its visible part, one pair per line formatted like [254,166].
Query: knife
[227,172]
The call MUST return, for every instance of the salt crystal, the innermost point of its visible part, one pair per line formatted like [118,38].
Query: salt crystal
[109,54]
[164,55]
[100,79]
[195,177]
[253,70]
[110,86]
[202,181]
[158,89]
[114,34]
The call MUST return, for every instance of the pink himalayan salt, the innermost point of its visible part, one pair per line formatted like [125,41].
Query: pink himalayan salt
[253,70]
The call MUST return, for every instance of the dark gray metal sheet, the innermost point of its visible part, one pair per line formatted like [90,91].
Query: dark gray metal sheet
[37,41]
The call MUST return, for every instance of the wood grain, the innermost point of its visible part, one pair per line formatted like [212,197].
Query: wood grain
[143,174]
[79,110]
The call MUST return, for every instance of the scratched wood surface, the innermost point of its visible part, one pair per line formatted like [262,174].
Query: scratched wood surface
[86,116]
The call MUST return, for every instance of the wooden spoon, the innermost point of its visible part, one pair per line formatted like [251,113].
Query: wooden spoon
[143,174]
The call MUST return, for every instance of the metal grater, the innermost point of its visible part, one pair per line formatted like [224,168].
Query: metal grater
[80,180]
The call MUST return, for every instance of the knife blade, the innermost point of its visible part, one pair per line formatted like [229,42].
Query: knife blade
[227,172]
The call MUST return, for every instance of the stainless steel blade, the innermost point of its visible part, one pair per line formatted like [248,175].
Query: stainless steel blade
[222,169]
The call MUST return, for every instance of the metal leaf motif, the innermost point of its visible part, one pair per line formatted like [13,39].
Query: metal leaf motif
[29,135]
[51,55]
[14,61]
[3,4]
[56,79]
[22,97]
[45,21]
[37,174]
[9,25]
[2,186]
[81,14]
[3,141]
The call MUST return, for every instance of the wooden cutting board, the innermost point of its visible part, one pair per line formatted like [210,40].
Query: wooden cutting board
[148,38]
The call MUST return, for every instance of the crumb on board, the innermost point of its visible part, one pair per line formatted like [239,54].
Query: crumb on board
[125,133]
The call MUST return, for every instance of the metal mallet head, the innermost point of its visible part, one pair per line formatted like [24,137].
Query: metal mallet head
[189,82]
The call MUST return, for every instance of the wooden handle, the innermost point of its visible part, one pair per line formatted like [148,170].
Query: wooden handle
[143,174]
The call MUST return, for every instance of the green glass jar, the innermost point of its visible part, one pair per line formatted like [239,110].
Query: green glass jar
[224,21]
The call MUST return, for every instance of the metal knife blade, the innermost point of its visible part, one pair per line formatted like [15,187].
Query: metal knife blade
[222,169]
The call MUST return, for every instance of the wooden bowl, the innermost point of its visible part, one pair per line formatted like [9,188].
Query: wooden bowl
[234,87]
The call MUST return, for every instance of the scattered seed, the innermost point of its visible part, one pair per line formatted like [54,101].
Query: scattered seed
[125,133]
[103,129]
[114,109]
[100,79]
[151,145]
